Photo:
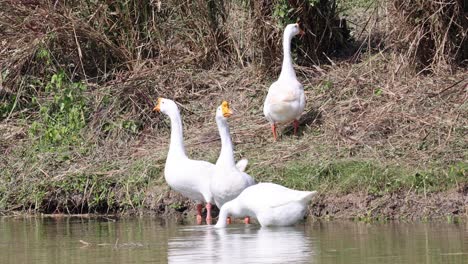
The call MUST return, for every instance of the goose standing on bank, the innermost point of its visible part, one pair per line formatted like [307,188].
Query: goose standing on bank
[285,100]
[191,178]
[271,204]
[228,181]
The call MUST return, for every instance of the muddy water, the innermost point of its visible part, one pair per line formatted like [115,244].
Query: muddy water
[151,240]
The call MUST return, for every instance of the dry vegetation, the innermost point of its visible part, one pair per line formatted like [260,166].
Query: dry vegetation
[386,112]
[432,33]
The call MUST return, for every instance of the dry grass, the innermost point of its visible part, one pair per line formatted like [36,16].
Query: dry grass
[433,34]
[356,110]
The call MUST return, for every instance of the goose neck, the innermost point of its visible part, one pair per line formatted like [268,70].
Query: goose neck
[287,69]
[176,147]
[223,215]
[226,156]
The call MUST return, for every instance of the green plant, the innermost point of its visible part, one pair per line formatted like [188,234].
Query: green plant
[7,106]
[325,86]
[378,91]
[43,54]
[176,206]
[63,114]
[282,12]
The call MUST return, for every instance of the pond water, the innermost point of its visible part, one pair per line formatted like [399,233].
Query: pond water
[153,240]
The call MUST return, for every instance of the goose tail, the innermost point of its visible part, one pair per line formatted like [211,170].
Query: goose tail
[242,164]
[307,196]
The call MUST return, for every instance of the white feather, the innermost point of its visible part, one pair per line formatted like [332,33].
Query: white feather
[285,100]
[271,204]
[189,177]
[228,180]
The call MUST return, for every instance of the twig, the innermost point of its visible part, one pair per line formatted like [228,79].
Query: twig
[85,244]
[80,54]
[447,88]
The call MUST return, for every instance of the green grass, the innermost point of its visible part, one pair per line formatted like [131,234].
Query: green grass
[346,176]
[109,187]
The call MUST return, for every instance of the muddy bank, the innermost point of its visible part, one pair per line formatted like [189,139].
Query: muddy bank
[404,205]
[396,206]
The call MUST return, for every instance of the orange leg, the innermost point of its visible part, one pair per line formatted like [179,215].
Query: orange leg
[199,212]
[228,220]
[208,214]
[273,129]
[296,125]
[247,220]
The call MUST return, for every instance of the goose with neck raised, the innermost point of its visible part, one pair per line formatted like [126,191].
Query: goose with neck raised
[191,178]
[228,181]
[285,100]
[271,204]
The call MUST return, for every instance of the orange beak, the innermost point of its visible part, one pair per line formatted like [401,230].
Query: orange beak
[158,105]
[301,31]
[225,108]
[228,113]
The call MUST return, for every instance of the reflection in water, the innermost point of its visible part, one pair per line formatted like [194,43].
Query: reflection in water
[152,240]
[240,244]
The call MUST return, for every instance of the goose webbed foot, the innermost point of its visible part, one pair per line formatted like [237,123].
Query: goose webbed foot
[199,214]
[273,129]
[208,214]
[296,126]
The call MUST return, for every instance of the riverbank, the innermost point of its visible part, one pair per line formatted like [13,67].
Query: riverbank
[411,165]
[404,206]
[378,139]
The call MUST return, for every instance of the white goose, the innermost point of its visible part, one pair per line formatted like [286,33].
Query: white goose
[271,204]
[285,100]
[228,181]
[191,178]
